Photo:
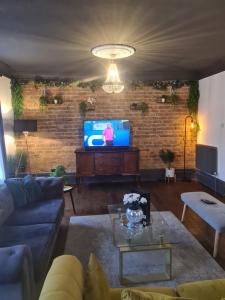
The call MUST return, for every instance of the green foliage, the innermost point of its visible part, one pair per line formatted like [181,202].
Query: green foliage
[17,98]
[43,102]
[144,107]
[193,97]
[52,82]
[93,85]
[83,108]
[16,161]
[167,156]
[59,171]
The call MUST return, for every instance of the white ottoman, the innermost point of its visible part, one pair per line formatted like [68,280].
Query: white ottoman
[213,214]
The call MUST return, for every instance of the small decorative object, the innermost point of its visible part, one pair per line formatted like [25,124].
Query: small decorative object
[57,99]
[163,98]
[168,156]
[134,213]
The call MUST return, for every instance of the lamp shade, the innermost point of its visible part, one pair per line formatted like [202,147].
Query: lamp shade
[25,125]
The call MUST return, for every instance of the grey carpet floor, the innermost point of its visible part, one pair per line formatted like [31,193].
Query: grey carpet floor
[190,261]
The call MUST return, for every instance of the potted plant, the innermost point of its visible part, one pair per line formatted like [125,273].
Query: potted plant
[168,156]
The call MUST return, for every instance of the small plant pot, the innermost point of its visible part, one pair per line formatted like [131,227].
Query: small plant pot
[55,101]
[170,172]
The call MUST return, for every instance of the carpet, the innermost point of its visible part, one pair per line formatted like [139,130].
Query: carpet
[190,261]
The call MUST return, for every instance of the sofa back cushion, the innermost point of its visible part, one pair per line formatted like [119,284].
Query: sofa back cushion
[64,280]
[17,190]
[24,190]
[6,203]
[52,187]
[203,290]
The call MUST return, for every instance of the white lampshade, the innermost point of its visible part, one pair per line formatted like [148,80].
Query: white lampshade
[113,83]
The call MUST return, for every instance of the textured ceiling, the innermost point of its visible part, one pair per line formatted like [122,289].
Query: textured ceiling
[174,39]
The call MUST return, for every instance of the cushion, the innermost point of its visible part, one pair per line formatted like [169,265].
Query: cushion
[132,294]
[17,191]
[40,212]
[40,239]
[6,203]
[203,290]
[64,280]
[33,189]
[96,286]
[115,293]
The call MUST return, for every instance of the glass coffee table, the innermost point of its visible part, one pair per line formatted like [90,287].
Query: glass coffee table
[154,242]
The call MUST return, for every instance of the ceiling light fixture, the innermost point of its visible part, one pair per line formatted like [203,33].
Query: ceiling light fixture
[113,83]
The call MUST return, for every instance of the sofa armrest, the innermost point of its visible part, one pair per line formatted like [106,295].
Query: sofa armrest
[52,187]
[16,268]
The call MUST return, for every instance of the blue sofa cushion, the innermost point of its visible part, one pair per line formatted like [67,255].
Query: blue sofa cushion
[24,190]
[48,211]
[40,239]
[33,189]
[17,190]
[52,187]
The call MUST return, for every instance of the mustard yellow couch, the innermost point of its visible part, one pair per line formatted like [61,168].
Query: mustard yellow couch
[65,281]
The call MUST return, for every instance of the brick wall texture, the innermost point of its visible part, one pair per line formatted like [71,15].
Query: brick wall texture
[60,126]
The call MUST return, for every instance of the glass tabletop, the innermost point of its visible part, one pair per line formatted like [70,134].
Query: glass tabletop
[158,233]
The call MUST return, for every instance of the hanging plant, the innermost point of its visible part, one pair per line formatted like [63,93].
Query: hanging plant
[43,102]
[143,107]
[17,98]
[193,97]
[83,108]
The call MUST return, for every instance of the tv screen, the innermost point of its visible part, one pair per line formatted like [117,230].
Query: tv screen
[106,133]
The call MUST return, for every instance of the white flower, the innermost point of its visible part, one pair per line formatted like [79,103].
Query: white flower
[143,200]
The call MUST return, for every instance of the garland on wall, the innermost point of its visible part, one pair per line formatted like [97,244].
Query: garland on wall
[17,97]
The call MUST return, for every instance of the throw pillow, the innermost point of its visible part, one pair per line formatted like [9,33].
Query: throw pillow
[33,189]
[96,286]
[131,294]
[17,190]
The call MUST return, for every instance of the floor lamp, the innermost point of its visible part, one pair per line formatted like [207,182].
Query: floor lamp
[185,142]
[25,126]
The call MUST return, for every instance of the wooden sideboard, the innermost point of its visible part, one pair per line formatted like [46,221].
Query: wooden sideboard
[107,162]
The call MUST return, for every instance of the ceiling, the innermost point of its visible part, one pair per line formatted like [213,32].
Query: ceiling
[174,39]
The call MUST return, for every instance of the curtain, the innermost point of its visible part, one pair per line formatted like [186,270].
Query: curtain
[2,149]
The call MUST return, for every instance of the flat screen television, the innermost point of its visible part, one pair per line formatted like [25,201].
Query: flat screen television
[106,133]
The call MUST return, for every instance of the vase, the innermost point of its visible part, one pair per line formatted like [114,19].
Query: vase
[134,217]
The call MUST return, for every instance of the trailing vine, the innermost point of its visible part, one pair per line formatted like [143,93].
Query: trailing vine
[193,97]
[17,98]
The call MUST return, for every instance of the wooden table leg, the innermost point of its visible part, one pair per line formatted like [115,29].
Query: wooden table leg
[216,244]
[183,213]
[71,197]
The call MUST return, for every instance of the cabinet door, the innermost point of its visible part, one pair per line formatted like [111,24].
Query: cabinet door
[85,164]
[108,163]
[131,162]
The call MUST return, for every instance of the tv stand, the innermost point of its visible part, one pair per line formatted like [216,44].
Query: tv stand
[104,162]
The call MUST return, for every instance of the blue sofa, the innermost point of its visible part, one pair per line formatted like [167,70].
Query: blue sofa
[27,239]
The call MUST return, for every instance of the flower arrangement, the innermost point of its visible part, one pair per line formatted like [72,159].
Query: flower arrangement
[133,200]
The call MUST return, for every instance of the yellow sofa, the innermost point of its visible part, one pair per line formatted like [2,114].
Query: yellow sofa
[65,281]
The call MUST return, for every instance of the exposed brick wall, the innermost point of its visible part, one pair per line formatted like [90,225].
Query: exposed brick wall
[60,126]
